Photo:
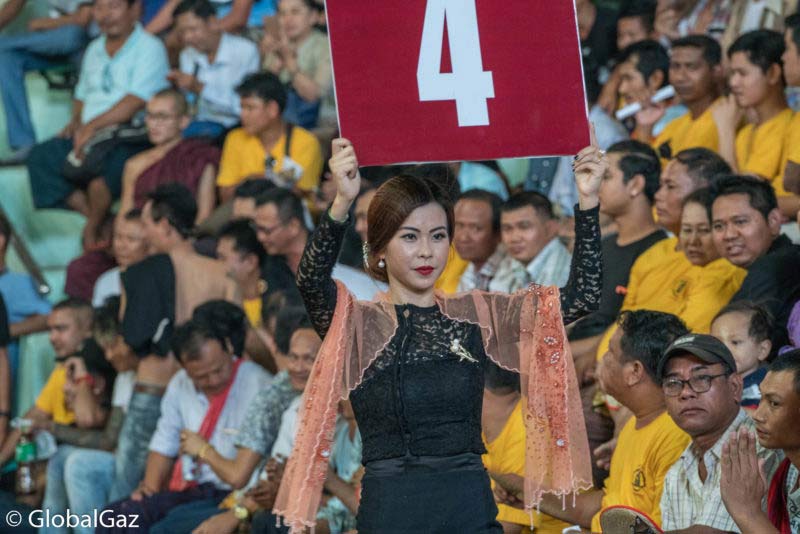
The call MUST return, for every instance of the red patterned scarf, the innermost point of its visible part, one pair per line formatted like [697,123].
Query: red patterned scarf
[215,407]
[777,499]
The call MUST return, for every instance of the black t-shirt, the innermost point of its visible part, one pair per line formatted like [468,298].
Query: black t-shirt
[279,277]
[597,49]
[150,305]
[617,264]
[773,281]
[5,336]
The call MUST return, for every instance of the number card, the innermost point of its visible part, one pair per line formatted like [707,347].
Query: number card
[452,80]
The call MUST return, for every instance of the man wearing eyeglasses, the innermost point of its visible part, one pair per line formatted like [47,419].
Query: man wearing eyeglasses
[703,392]
[121,70]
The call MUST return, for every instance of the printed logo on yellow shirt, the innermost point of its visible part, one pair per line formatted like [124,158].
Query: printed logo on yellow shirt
[639,482]
[679,287]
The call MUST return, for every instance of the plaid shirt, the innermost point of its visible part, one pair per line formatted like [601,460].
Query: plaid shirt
[549,268]
[479,279]
[687,501]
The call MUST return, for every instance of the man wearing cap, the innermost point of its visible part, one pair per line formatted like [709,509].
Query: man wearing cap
[703,392]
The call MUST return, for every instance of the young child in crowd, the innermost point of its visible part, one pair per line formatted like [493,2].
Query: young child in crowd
[745,329]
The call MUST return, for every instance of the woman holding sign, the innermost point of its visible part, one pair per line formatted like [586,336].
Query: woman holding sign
[412,363]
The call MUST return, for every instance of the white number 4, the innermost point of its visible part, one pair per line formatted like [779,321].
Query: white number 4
[469,85]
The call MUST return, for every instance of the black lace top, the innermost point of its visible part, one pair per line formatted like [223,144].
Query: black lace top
[418,397]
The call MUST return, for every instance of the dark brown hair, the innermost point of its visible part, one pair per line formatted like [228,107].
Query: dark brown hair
[392,204]
[762,325]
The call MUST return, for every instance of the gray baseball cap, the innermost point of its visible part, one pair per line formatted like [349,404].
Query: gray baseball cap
[707,348]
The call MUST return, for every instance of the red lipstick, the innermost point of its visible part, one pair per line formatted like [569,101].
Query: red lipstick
[425,271]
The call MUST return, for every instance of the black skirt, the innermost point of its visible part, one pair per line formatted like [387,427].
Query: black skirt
[435,495]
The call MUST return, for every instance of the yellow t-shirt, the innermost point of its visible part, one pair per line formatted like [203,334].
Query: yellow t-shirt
[759,150]
[252,308]
[51,400]
[659,275]
[791,152]
[448,280]
[686,132]
[693,293]
[709,289]
[653,271]
[506,454]
[639,465]
[243,155]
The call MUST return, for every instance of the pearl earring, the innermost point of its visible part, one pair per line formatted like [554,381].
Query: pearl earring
[381,264]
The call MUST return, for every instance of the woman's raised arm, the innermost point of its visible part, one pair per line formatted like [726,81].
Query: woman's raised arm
[581,295]
[316,266]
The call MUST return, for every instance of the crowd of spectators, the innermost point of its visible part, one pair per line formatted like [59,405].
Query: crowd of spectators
[196,152]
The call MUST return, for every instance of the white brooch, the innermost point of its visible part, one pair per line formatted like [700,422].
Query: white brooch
[461,352]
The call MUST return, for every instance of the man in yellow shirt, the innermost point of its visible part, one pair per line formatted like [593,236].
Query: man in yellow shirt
[266,146]
[649,443]
[504,438]
[757,88]
[239,249]
[257,275]
[70,327]
[660,277]
[695,72]
[688,171]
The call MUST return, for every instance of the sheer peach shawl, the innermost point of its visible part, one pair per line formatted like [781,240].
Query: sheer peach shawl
[522,332]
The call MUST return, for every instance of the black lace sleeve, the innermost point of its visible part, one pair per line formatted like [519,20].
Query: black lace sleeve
[581,295]
[314,273]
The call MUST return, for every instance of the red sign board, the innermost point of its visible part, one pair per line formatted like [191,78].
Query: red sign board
[451,80]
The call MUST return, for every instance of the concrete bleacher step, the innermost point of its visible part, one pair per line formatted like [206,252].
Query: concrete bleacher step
[52,236]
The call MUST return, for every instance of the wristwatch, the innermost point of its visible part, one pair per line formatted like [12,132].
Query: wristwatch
[241,513]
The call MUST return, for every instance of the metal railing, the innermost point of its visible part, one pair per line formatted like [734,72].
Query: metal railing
[25,257]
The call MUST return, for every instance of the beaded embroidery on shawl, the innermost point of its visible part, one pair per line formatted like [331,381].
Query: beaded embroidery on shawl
[557,459]
[530,323]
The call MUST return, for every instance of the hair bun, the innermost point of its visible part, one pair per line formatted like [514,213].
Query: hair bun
[226,320]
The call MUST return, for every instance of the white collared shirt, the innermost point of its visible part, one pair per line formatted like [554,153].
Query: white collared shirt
[236,57]
[184,407]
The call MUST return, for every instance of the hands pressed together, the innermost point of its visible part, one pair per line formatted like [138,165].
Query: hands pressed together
[743,483]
